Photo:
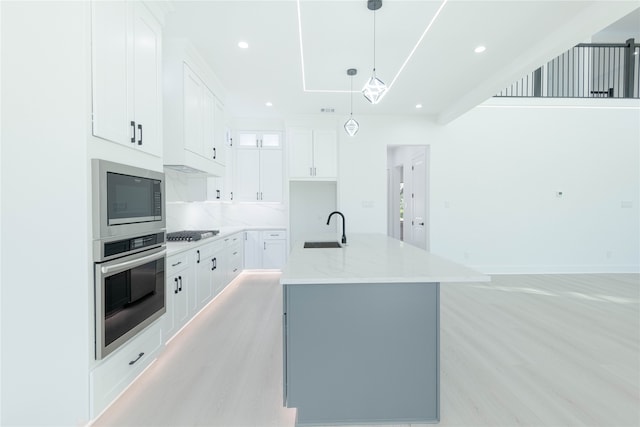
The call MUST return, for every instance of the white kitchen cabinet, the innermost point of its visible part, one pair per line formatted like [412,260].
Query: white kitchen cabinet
[202,111]
[274,249]
[179,281]
[194,125]
[312,154]
[265,249]
[234,254]
[115,373]
[126,52]
[252,250]
[258,168]
[218,274]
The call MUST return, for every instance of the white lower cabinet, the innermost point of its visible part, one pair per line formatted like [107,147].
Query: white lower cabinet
[179,282]
[233,256]
[274,249]
[265,249]
[205,265]
[116,372]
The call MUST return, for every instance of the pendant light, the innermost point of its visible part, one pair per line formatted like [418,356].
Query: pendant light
[351,126]
[374,89]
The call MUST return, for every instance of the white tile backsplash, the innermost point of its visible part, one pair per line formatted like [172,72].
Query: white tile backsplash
[212,215]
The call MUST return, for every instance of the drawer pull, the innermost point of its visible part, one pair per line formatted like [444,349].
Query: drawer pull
[177,263]
[138,358]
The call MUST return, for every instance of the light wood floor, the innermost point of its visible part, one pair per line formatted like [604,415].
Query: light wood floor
[526,350]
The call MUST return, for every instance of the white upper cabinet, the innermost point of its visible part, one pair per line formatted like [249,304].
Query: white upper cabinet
[258,167]
[194,125]
[312,154]
[126,51]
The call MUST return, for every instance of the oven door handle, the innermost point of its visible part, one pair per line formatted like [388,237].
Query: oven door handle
[107,269]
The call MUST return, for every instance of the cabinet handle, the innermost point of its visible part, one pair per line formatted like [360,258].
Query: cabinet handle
[235,253]
[140,129]
[230,142]
[232,195]
[198,261]
[217,192]
[133,131]
[175,291]
[180,288]
[176,264]
[310,171]
[137,358]
[257,196]
[265,245]
[315,171]
[261,198]
[214,153]
[215,263]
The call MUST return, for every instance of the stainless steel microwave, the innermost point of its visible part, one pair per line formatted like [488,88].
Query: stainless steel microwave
[127,200]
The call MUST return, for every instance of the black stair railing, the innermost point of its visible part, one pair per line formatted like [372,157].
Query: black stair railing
[588,70]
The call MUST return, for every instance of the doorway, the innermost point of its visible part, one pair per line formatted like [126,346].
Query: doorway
[408,194]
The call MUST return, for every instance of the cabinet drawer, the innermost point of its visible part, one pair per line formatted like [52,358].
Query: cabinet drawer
[177,263]
[274,235]
[116,373]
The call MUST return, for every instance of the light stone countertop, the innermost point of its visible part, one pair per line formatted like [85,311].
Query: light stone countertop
[174,248]
[372,258]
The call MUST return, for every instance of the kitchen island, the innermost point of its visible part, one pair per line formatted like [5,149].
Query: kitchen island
[361,331]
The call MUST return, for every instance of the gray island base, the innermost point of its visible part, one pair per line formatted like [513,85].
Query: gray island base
[362,347]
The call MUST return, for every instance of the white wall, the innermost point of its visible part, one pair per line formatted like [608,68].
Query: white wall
[46,275]
[494,177]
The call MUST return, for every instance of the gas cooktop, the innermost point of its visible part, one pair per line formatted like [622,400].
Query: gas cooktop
[190,235]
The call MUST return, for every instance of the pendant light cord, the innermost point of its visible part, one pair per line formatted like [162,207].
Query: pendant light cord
[351,95]
[374,42]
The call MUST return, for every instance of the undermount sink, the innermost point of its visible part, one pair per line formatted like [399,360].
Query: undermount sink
[321,245]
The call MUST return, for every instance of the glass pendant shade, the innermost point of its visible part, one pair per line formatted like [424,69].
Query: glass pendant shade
[374,90]
[351,126]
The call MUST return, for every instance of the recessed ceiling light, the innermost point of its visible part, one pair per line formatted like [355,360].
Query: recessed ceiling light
[479,49]
[418,105]
[243,45]
[268,104]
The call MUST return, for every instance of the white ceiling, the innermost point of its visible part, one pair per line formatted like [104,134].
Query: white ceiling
[444,74]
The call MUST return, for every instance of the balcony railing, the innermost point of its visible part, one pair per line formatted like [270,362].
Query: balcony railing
[589,70]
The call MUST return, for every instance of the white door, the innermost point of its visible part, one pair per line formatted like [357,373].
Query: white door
[419,201]
[325,155]
[246,184]
[147,80]
[193,128]
[275,252]
[109,72]
[208,124]
[270,175]
[300,153]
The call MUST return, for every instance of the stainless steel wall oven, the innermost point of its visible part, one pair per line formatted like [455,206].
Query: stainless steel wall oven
[129,252]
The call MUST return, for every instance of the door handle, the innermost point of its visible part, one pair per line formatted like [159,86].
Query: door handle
[140,129]
[175,291]
[214,153]
[133,131]
[180,288]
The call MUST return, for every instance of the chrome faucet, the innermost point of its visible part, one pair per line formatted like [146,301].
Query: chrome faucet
[344,237]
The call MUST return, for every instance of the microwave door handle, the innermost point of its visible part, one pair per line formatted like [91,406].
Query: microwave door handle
[116,268]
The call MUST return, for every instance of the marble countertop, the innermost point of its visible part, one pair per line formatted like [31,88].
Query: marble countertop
[372,258]
[177,247]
